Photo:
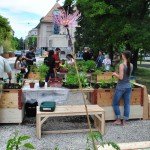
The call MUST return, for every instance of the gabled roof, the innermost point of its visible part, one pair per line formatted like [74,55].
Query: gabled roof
[49,16]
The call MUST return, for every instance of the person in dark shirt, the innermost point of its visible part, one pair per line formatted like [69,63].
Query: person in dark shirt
[86,54]
[99,59]
[50,62]
[30,58]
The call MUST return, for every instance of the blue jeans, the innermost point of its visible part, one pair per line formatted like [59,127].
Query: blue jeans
[52,75]
[124,93]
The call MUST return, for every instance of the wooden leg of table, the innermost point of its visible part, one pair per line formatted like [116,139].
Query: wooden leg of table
[103,123]
[38,126]
[97,123]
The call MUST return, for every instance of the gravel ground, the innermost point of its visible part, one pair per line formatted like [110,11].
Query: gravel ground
[135,130]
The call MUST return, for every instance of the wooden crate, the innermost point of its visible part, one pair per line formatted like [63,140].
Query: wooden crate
[104,97]
[139,102]
[33,76]
[11,106]
[102,76]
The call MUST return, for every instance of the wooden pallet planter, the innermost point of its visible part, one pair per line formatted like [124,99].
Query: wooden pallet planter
[11,106]
[128,146]
[33,76]
[139,102]
[102,76]
[71,110]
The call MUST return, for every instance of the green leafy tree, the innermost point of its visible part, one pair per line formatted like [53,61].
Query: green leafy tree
[115,24]
[5,29]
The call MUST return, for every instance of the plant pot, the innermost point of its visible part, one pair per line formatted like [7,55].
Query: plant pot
[5,55]
[32,85]
[11,54]
[41,84]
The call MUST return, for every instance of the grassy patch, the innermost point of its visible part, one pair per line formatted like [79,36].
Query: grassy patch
[143,77]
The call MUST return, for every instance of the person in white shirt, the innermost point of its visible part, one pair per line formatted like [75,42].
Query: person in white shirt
[5,67]
[107,62]
[17,65]
[70,59]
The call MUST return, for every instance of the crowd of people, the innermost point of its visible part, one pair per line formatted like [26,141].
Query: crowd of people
[24,62]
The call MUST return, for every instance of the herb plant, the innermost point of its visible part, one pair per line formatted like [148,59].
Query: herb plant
[43,70]
[15,143]
[99,139]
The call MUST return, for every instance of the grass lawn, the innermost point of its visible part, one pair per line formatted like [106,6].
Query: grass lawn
[143,77]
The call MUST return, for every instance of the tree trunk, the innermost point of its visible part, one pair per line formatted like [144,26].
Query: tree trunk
[134,60]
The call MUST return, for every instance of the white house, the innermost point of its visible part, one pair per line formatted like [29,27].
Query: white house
[51,36]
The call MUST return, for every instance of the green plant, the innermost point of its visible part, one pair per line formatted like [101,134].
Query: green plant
[112,83]
[15,143]
[102,83]
[102,69]
[98,71]
[6,45]
[132,83]
[72,79]
[33,68]
[90,65]
[43,70]
[99,138]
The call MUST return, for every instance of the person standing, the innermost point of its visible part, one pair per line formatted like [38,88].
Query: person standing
[30,58]
[56,57]
[4,67]
[123,88]
[17,65]
[70,59]
[50,62]
[107,63]
[116,60]
[99,59]
[86,55]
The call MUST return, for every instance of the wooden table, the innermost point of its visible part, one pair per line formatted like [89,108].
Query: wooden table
[71,110]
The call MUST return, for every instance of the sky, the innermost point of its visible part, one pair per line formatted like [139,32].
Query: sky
[24,15]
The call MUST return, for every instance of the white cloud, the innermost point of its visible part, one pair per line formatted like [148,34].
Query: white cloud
[24,15]
[40,7]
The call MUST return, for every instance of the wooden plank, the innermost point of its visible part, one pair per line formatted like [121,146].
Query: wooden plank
[73,109]
[68,131]
[9,99]
[136,112]
[145,104]
[11,115]
[128,146]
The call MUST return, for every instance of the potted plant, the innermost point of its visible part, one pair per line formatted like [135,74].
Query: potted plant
[32,83]
[6,46]
[43,70]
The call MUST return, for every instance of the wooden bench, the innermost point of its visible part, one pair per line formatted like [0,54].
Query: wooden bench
[71,110]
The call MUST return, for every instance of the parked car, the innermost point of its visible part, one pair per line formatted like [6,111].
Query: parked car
[17,52]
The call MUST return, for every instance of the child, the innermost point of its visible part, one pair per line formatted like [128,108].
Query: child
[62,66]
[107,63]
[24,66]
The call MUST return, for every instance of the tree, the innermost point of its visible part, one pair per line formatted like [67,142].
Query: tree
[115,24]
[5,29]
